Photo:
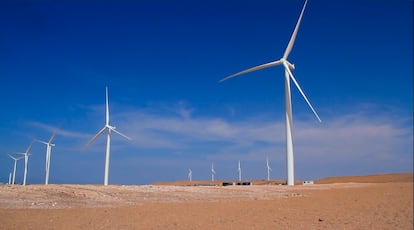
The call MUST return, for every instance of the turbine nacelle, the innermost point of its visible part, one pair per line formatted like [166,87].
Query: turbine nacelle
[290,65]
[110,127]
[46,143]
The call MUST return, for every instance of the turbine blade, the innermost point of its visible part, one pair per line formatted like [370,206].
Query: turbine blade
[301,91]
[42,142]
[106,107]
[293,37]
[121,134]
[30,146]
[96,136]
[267,65]
[52,137]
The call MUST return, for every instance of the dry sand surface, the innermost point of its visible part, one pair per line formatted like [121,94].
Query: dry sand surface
[369,202]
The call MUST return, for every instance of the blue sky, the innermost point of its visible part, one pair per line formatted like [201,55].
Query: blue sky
[162,61]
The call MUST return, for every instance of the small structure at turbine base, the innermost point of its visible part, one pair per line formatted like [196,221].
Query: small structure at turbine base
[307,182]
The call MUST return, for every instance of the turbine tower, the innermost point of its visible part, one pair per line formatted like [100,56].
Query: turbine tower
[288,103]
[14,167]
[49,146]
[190,174]
[239,171]
[268,169]
[10,177]
[26,162]
[213,172]
[109,128]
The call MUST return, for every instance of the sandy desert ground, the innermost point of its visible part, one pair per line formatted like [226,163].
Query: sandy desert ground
[363,202]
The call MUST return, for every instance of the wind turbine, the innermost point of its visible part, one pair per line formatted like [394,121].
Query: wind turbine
[268,169]
[239,171]
[109,128]
[288,103]
[26,161]
[49,146]
[213,172]
[14,167]
[190,174]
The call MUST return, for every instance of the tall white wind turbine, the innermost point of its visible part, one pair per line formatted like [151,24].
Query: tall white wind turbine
[239,171]
[288,75]
[213,172]
[49,146]
[268,169]
[190,174]
[26,162]
[15,159]
[109,128]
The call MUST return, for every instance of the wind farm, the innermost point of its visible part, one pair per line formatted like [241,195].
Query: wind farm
[180,144]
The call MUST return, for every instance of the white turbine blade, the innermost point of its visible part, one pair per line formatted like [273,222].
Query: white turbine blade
[96,136]
[14,158]
[42,142]
[293,37]
[106,107]
[121,134]
[30,146]
[267,65]
[300,90]
[52,137]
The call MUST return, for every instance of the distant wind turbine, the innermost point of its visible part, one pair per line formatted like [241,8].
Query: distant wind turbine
[49,146]
[190,174]
[268,169]
[26,162]
[239,171]
[15,159]
[213,172]
[288,103]
[109,128]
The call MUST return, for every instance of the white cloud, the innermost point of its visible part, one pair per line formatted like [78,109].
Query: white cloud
[345,136]
[350,143]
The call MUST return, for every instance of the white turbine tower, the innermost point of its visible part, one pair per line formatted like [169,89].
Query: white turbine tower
[26,162]
[288,75]
[268,169]
[190,174]
[213,172]
[10,178]
[109,128]
[239,171]
[14,167]
[49,146]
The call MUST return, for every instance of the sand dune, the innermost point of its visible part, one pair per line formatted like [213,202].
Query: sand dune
[361,202]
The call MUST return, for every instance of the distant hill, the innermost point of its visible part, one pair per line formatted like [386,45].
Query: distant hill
[376,178]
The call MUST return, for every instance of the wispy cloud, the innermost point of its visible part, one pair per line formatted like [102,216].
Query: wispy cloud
[361,142]
[344,135]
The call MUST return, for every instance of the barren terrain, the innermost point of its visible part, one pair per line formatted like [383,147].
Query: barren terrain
[364,202]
